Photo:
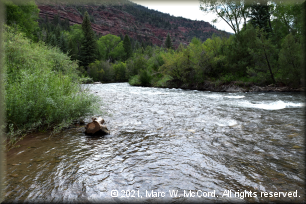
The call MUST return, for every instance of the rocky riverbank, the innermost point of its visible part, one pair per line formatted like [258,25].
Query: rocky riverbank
[235,86]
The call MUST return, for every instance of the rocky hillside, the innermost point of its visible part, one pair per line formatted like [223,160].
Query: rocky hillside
[139,22]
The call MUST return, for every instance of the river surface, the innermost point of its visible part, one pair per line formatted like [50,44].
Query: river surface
[178,145]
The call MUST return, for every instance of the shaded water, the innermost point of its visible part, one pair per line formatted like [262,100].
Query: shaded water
[200,144]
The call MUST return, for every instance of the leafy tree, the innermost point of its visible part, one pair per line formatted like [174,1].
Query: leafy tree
[289,15]
[107,46]
[127,47]
[118,52]
[287,18]
[264,54]
[290,58]
[236,51]
[260,16]
[168,43]
[24,16]
[231,11]
[88,46]
[178,65]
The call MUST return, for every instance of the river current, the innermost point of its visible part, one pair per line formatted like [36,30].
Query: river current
[170,145]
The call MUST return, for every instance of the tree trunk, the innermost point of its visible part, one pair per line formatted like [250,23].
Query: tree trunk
[96,127]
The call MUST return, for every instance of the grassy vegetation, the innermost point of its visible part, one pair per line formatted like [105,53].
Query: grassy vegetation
[42,87]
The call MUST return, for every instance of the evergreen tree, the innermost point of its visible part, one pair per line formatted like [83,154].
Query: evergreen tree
[53,40]
[89,44]
[260,17]
[168,43]
[63,43]
[56,19]
[127,47]
[46,19]
[57,31]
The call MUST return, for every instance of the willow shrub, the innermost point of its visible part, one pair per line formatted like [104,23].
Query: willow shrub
[120,71]
[42,86]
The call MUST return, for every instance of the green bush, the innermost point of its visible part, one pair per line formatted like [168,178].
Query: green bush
[135,81]
[120,71]
[228,78]
[95,71]
[109,74]
[145,78]
[163,81]
[42,86]
[135,64]
[102,71]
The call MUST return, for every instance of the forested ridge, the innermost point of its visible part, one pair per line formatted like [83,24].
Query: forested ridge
[140,23]
[52,57]
[265,50]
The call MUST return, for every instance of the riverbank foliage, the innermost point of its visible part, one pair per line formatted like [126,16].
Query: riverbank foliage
[257,53]
[42,86]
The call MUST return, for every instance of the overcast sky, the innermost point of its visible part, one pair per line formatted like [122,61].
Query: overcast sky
[187,9]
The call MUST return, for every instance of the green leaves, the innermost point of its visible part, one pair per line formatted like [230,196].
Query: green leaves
[290,58]
[232,12]
[42,86]
[95,71]
[264,54]
[24,16]
[120,71]
[111,47]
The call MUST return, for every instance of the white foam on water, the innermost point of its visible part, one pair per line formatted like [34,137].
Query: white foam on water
[234,96]
[224,122]
[214,96]
[155,93]
[277,105]
[133,92]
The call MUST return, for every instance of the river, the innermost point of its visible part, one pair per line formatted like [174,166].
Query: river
[170,145]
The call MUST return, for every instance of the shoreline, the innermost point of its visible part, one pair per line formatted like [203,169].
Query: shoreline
[233,87]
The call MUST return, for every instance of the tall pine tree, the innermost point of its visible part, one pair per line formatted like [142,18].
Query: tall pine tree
[89,44]
[127,47]
[168,43]
[260,16]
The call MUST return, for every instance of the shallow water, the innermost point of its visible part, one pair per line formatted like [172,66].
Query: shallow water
[203,145]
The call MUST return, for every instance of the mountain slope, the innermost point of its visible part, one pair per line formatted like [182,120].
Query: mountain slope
[139,22]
